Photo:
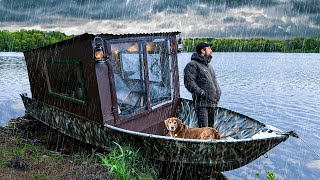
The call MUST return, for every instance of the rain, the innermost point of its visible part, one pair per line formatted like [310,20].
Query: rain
[281,19]
[278,89]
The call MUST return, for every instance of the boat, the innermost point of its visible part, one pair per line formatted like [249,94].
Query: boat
[120,88]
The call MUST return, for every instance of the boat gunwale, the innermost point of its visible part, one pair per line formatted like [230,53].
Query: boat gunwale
[197,141]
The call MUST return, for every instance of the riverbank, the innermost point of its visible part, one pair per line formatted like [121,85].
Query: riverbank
[31,150]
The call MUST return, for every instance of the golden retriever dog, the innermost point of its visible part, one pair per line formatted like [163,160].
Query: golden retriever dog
[178,130]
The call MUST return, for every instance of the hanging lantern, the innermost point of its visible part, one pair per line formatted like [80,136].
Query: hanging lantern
[98,52]
[98,49]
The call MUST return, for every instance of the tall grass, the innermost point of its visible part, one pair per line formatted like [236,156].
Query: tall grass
[270,175]
[125,163]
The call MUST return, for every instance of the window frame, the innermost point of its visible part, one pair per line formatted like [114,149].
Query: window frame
[168,53]
[61,96]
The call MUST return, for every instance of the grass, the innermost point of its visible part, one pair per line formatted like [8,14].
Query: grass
[270,175]
[21,158]
[29,158]
[125,163]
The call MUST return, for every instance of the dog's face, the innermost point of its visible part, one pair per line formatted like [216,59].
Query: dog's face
[172,124]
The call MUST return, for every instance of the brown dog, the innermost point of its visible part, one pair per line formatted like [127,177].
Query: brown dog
[179,130]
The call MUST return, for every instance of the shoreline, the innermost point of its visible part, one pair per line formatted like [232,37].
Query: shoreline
[32,150]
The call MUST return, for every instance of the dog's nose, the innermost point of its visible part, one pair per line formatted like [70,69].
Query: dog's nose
[172,128]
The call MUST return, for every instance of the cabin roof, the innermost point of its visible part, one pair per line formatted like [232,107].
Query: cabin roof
[143,34]
[87,35]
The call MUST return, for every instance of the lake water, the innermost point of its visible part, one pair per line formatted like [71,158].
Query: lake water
[13,81]
[280,89]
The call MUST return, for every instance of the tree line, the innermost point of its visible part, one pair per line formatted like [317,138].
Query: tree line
[299,45]
[24,40]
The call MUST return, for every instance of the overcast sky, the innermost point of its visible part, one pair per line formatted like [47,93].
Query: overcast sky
[276,19]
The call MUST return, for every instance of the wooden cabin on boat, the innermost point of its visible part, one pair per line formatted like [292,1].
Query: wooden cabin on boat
[110,79]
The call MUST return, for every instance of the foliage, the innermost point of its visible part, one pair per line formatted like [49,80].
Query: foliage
[24,40]
[20,150]
[257,175]
[25,156]
[124,163]
[270,175]
[299,44]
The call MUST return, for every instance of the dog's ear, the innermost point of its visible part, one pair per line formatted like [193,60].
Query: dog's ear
[180,124]
[166,123]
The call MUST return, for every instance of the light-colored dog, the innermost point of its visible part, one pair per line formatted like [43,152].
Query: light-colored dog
[178,130]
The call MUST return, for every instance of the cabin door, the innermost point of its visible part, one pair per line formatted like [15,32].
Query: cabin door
[129,77]
[142,75]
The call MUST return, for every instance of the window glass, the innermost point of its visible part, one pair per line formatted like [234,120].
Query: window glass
[128,66]
[64,79]
[159,71]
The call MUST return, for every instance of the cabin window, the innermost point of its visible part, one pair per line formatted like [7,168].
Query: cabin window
[65,79]
[159,71]
[130,82]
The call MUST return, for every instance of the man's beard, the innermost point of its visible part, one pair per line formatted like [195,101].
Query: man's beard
[209,56]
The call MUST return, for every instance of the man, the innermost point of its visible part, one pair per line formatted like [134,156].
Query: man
[200,81]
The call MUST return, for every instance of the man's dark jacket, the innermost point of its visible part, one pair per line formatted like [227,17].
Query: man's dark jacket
[200,80]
